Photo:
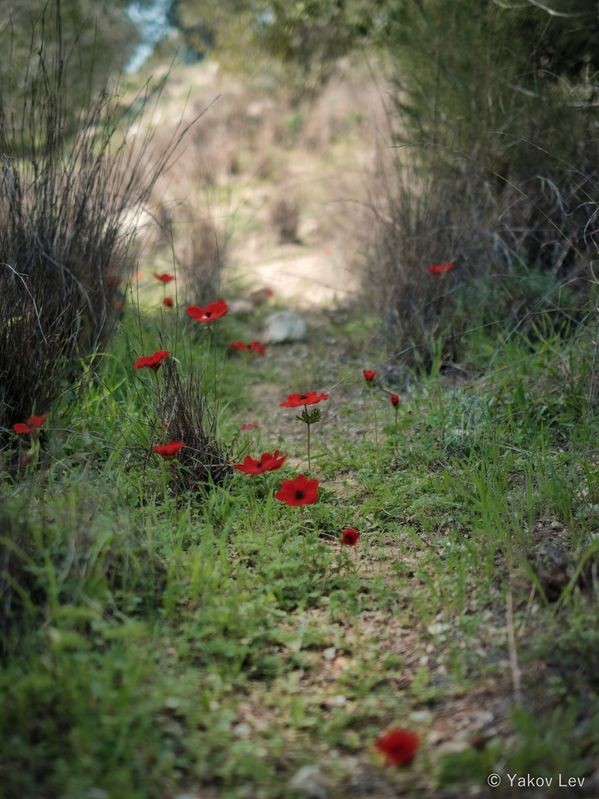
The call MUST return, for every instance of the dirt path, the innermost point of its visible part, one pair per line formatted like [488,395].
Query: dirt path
[278,181]
[402,658]
[386,663]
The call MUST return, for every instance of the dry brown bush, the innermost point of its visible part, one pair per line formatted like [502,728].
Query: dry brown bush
[184,414]
[68,208]
[201,252]
[520,250]
[285,217]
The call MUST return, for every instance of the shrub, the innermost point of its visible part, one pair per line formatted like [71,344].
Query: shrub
[497,172]
[97,33]
[284,217]
[518,258]
[71,555]
[68,206]
[184,414]
[201,253]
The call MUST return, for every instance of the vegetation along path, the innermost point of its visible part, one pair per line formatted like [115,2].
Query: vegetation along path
[233,646]
[382,586]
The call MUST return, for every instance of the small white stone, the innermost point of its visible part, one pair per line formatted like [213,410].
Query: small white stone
[309,782]
[453,747]
[421,716]
[338,701]
[438,628]
[329,653]
[242,730]
[284,326]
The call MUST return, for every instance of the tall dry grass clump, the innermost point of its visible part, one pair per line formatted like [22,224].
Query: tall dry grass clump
[68,205]
[201,253]
[518,254]
[185,415]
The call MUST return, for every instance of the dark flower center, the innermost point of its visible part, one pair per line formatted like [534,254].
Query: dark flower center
[303,396]
[299,494]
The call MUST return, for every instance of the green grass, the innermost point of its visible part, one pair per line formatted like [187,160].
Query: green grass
[157,644]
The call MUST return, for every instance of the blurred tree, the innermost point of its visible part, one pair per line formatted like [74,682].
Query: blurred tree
[481,62]
[96,38]
[558,38]
[307,36]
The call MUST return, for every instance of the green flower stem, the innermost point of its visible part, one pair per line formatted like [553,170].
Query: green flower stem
[309,462]
[375,415]
[163,475]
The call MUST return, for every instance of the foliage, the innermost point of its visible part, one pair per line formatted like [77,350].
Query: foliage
[495,169]
[200,621]
[67,221]
[93,38]
[526,43]
[307,38]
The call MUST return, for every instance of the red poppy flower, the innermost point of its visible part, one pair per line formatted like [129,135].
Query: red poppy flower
[266,463]
[210,312]
[297,400]
[395,400]
[257,347]
[441,269]
[30,426]
[165,277]
[248,426]
[168,302]
[350,536]
[398,746]
[169,449]
[369,375]
[301,491]
[240,346]
[151,361]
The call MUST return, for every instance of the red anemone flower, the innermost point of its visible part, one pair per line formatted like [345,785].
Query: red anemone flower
[253,346]
[151,361]
[248,426]
[398,746]
[169,449]
[300,491]
[265,463]
[297,400]
[30,426]
[395,400]
[210,312]
[441,269]
[350,536]
[257,347]
[165,277]
[369,375]
[168,302]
